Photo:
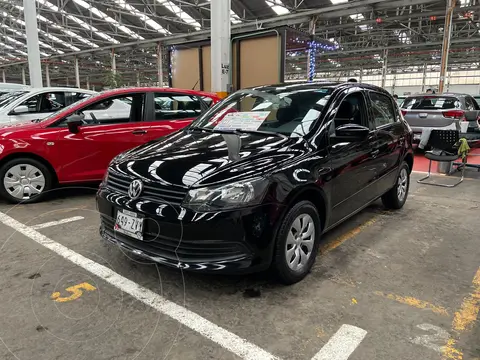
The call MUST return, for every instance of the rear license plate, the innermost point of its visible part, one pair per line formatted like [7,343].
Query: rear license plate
[130,224]
[423,115]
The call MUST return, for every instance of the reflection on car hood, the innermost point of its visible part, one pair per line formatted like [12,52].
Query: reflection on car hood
[13,127]
[186,158]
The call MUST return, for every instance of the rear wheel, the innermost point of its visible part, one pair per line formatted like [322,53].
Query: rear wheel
[24,180]
[395,198]
[297,243]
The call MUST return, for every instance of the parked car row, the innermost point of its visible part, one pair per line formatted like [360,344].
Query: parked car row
[244,184]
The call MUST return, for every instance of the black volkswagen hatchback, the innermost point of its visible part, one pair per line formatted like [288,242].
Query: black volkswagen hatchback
[254,182]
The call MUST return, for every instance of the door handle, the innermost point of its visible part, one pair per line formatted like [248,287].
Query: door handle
[375,153]
[139,132]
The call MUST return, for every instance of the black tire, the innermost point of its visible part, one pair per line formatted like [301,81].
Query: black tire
[45,171]
[392,198]
[280,265]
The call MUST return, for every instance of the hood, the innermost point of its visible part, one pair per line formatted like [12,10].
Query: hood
[17,126]
[186,159]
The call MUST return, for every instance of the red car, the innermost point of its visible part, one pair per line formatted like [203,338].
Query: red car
[76,144]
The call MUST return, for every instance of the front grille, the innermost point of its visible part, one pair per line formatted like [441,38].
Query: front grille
[175,249]
[120,184]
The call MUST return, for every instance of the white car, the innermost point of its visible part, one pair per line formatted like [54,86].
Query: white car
[35,104]
[8,87]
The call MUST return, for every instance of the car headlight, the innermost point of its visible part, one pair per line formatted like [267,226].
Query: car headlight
[235,195]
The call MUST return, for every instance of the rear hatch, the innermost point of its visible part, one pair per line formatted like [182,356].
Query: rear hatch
[431,111]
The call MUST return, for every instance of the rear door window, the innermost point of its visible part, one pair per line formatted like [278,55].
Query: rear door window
[431,103]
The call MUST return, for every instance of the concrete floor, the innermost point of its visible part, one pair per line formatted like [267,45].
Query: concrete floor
[410,278]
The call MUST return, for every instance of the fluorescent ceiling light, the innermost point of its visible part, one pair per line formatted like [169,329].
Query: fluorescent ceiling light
[123,4]
[335,2]
[187,19]
[82,23]
[278,7]
[23,35]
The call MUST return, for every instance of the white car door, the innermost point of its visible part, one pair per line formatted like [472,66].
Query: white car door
[36,106]
[104,111]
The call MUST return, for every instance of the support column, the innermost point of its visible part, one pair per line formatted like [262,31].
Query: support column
[3,76]
[424,78]
[384,67]
[67,82]
[47,74]
[138,78]
[393,82]
[447,35]
[77,74]
[24,78]
[312,51]
[31,28]
[220,35]
[160,64]
[360,78]
[88,83]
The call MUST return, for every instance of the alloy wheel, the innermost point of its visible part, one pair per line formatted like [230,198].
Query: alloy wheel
[300,242]
[402,185]
[24,181]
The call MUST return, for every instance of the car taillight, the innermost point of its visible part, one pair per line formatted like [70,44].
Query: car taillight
[455,114]
[404,112]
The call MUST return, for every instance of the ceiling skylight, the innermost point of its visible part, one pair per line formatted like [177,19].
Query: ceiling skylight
[360,17]
[23,35]
[123,4]
[44,33]
[82,23]
[187,19]
[336,2]
[403,37]
[278,7]
[334,63]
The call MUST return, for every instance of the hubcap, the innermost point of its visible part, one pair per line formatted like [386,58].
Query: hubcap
[402,184]
[24,181]
[300,240]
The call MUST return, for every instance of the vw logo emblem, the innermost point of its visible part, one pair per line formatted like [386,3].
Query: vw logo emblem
[135,189]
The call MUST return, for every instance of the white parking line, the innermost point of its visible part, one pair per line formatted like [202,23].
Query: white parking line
[342,344]
[222,337]
[59,222]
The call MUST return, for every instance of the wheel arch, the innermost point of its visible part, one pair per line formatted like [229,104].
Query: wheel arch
[29,155]
[313,194]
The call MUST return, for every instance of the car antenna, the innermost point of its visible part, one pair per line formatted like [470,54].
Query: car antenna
[193,88]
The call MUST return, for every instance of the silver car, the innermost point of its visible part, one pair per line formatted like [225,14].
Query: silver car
[440,111]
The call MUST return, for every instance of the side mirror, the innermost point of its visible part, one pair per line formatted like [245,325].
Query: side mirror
[74,122]
[472,115]
[21,109]
[351,132]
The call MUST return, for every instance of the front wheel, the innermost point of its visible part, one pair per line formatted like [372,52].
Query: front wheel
[395,198]
[24,180]
[297,243]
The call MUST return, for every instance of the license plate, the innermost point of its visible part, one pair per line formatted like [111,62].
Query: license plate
[130,224]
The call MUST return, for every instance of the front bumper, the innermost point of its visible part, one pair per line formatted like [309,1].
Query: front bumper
[228,242]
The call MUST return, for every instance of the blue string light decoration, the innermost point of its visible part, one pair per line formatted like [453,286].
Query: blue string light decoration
[313,48]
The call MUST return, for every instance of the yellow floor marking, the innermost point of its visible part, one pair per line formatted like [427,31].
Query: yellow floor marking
[464,319]
[468,313]
[347,236]
[354,301]
[411,301]
[75,290]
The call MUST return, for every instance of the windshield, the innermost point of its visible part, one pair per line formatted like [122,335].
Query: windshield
[7,98]
[67,108]
[289,113]
[431,103]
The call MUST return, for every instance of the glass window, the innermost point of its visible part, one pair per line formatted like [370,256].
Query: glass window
[175,106]
[284,110]
[9,97]
[73,97]
[383,111]
[470,103]
[431,103]
[121,109]
[46,102]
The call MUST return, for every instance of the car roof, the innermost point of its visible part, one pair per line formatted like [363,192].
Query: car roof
[156,89]
[316,84]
